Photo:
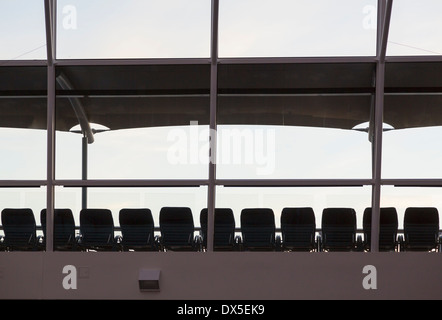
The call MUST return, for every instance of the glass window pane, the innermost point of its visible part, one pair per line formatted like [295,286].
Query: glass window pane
[413,109]
[412,153]
[146,122]
[23,153]
[277,152]
[294,121]
[23,35]
[23,117]
[32,198]
[144,153]
[133,29]
[402,198]
[116,199]
[415,28]
[277,199]
[285,28]
[32,201]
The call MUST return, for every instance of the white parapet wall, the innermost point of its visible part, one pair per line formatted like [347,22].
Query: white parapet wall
[221,275]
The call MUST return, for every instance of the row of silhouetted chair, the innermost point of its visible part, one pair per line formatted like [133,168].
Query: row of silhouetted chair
[258,230]
[20,230]
[97,231]
[338,231]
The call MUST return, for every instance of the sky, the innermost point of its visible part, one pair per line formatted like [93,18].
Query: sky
[248,28]
[107,29]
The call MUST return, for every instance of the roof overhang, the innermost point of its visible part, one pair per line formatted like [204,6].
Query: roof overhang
[317,94]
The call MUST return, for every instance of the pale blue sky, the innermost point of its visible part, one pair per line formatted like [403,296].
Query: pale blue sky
[177,28]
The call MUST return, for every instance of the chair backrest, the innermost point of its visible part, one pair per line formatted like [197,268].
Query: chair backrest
[421,229]
[20,229]
[339,229]
[97,228]
[258,229]
[177,228]
[388,228]
[64,228]
[137,229]
[298,228]
[224,228]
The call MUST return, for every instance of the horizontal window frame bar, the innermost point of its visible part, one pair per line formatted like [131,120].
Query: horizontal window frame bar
[297,60]
[132,62]
[420,58]
[220,60]
[23,183]
[21,94]
[134,93]
[294,182]
[131,183]
[23,63]
[111,183]
[296,91]
[219,182]
[412,182]
[222,92]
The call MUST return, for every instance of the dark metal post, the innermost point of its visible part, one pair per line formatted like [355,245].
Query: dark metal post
[84,164]
[211,194]
[384,14]
[49,22]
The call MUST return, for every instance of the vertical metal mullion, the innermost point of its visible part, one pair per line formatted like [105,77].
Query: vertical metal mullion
[377,158]
[84,170]
[50,197]
[380,24]
[51,82]
[54,29]
[211,194]
[384,14]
